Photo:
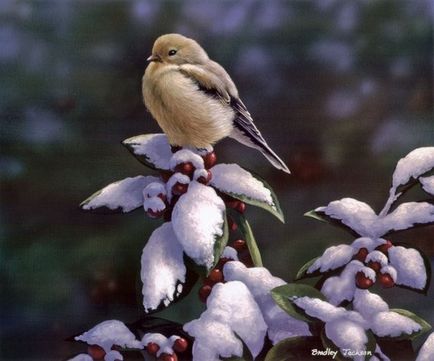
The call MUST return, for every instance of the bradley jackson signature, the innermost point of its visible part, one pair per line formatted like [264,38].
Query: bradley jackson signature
[345,352]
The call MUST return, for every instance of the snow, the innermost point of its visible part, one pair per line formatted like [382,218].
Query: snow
[427,350]
[126,194]
[380,353]
[235,180]
[368,243]
[184,156]
[175,178]
[154,203]
[113,356]
[348,335]
[231,310]
[230,253]
[392,324]
[427,184]
[162,267]
[109,333]
[200,173]
[154,147]
[260,282]
[357,215]
[154,189]
[81,357]
[391,271]
[332,258]
[368,304]
[320,309]
[342,287]
[409,265]
[413,165]
[198,219]
[166,344]
[377,256]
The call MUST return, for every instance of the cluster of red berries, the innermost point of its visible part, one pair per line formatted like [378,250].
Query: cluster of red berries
[385,279]
[179,346]
[98,353]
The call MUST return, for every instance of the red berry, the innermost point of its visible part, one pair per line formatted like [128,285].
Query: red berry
[154,214]
[204,292]
[175,148]
[216,276]
[162,197]
[362,281]
[209,160]
[232,225]
[232,203]
[180,345]
[96,352]
[205,180]
[152,348]
[166,174]
[241,207]
[246,258]
[385,247]
[239,245]
[376,266]
[179,188]
[361,254]
[185,168]
[168,357]
[386,280]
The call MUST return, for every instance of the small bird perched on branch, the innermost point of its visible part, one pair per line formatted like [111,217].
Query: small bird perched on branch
[195,101]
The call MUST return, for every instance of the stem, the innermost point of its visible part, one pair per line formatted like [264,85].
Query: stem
[392,198]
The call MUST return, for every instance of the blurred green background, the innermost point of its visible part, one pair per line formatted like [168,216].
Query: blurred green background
[340,89]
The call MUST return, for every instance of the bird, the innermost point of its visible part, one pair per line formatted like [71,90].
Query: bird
[194,100]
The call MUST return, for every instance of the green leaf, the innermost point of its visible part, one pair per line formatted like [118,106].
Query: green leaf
[250,240]
[220,243]
[282,296]
[152,150]
[302,271]
[321,216]
[425,326]
[294,348]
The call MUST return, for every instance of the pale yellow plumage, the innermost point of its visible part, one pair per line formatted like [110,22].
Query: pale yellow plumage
[194,100]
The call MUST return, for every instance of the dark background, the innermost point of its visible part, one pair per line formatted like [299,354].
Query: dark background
[340,89]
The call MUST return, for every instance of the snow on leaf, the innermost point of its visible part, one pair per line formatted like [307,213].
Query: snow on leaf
[410,267]
[260,282]
[125,195]
[184,156]
[413,165]
[368,304]
[162,267]
[153,150]
[342,287]
[333,257]
[231,312]
[427,350]
[319,309]
[427,184]
[405,216]
[109,333]
[392,324]
[357,215]
[81,357]
[241,184]
[198,220]
[113,355]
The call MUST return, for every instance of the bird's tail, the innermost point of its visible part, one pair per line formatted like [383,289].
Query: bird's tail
[260,144]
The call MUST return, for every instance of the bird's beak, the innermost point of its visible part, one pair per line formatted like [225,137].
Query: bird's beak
[154,58]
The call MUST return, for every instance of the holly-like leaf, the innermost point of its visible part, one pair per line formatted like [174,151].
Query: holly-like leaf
[220,243]
[153,150]
[294,348]
[284,295]
[251,241]
[425,326]
[235,181]
[123,196]
[321,216]
[302,272]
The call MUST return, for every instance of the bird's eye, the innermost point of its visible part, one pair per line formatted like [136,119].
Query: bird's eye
[172,52]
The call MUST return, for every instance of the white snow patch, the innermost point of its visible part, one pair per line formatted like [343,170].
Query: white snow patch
[126,194]
[409,265]
[109,333]
[392,324]
[113,355]
[165,344]
[154,189]
[185,156]
[320,309]
[81,357]
[230,253]
[413,165]
[368,243]
[198,219]
[377,256]
[154,147]
[162,267]
[260,282]
[427,184]
[368,304]
[357,215]
[234,179]
[230,309]
[154,203]
[342,287]
[333,257]
[427,350]
[200,173]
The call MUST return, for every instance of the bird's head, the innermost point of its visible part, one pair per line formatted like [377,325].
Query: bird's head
[177,49]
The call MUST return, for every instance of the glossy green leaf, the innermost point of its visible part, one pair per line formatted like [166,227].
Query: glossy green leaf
[295,348]
[250,240]
[302,271]
[220,243]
